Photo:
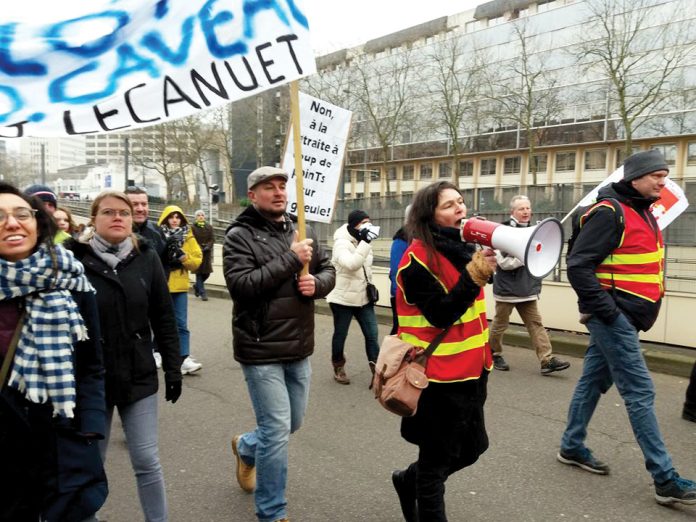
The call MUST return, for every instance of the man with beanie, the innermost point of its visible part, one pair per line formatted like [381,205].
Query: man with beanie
[50,203]
[352,258]
[619,280]
[273,331]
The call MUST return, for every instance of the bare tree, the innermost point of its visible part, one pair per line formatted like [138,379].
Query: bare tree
[638,52]
[381,92]
[16,169]
[452,77]
[524,93]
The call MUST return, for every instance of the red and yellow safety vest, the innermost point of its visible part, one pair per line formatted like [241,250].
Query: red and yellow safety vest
[464,352]
[637,266]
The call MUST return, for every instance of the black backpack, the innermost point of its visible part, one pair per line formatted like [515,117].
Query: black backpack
[583,213]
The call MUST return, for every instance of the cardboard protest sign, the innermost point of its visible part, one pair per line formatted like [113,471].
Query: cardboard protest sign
[323,134]
[121,65]
[672,200]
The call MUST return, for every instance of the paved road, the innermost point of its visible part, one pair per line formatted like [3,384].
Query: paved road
[340,461]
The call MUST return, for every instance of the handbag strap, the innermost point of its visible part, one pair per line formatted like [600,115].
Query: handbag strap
[9,356]
[436,342]
[365,272]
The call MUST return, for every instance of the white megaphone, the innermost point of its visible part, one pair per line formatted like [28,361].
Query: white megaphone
[538,247]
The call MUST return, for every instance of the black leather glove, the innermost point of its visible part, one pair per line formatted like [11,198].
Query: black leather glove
[172,390]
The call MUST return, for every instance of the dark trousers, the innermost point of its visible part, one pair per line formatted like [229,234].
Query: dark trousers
[395,316]
[199,286]
[342,316]
[690,403]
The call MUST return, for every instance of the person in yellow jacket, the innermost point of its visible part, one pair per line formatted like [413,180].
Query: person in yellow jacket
[181,255]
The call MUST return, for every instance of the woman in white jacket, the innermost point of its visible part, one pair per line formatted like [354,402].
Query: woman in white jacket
[352,258]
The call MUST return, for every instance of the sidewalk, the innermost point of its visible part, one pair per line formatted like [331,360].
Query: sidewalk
[662,358]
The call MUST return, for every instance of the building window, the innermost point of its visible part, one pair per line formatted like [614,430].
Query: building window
[426,171]
[466,168]
[512,165]
[691,154]
[360,177]
[392,173]
[565,161]
[374,194]
[669,151]
[445,169]
[375,175]
[539,162]
[621,155]
[488,167]
[595,159]
[407,173]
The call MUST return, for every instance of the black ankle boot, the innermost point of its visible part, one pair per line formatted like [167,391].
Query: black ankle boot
[407,496]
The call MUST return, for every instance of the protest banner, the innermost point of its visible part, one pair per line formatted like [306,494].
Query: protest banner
[672,200]
[323,134]
[121,65]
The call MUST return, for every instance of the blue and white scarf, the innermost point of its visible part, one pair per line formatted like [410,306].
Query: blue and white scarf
[43,363]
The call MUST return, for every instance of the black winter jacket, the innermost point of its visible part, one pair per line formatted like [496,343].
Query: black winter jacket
[598,237]
[50,467]
[271,320]
[133,299]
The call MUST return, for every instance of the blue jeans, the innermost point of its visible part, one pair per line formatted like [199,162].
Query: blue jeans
[139,421]
[199,285]
[342,315]
[180,301]
[613,356]
[279,394]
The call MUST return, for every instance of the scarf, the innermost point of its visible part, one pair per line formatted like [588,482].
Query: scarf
[111,254]
[178,233]
[43,363]
[448,242]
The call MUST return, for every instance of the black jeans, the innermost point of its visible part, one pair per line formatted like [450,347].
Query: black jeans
[342,317]
[690,403]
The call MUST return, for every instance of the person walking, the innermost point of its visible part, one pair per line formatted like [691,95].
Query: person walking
[50,203]
[141,224]
[440,280]
[205,237]
[182,255]
[52,408]
[134,302]
[398,247]
[515,289]
[619,280]
[352,259]
[65,222]
[273,331]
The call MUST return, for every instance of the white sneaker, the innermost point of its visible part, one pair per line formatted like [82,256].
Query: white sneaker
[158,359]
[190,366]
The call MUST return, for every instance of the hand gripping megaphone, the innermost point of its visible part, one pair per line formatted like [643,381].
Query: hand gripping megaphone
[538,247]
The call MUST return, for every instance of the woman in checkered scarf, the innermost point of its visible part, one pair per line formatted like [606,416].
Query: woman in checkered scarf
[52,407]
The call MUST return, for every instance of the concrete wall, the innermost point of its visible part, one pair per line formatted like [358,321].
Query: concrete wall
[558,306]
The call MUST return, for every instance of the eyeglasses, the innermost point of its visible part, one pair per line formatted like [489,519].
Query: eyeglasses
[112,213]
[21,214]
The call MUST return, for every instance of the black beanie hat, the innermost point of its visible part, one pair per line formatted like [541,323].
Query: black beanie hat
[642,163]
[356,216]
[42,192]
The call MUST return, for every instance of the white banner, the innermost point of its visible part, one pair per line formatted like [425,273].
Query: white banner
[672,200]
[323,131]
[106,65]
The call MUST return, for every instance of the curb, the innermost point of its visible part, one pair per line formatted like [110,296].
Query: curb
[661,358]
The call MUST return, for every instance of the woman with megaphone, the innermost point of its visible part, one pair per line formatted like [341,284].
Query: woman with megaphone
[439,287]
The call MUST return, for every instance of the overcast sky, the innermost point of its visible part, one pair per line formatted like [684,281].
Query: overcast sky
[336,24]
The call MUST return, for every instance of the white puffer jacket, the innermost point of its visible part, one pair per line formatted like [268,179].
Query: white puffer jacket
[349,257]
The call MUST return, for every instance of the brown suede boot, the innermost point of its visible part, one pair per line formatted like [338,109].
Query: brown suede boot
[340,373]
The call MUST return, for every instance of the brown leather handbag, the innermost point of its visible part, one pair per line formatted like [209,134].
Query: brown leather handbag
[400,374]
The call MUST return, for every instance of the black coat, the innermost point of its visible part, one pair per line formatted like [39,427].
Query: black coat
[271,320]
[205,236]
[598,237]
[49,466]
[133,301]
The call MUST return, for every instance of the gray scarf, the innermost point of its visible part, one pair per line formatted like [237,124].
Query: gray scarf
[111,254]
